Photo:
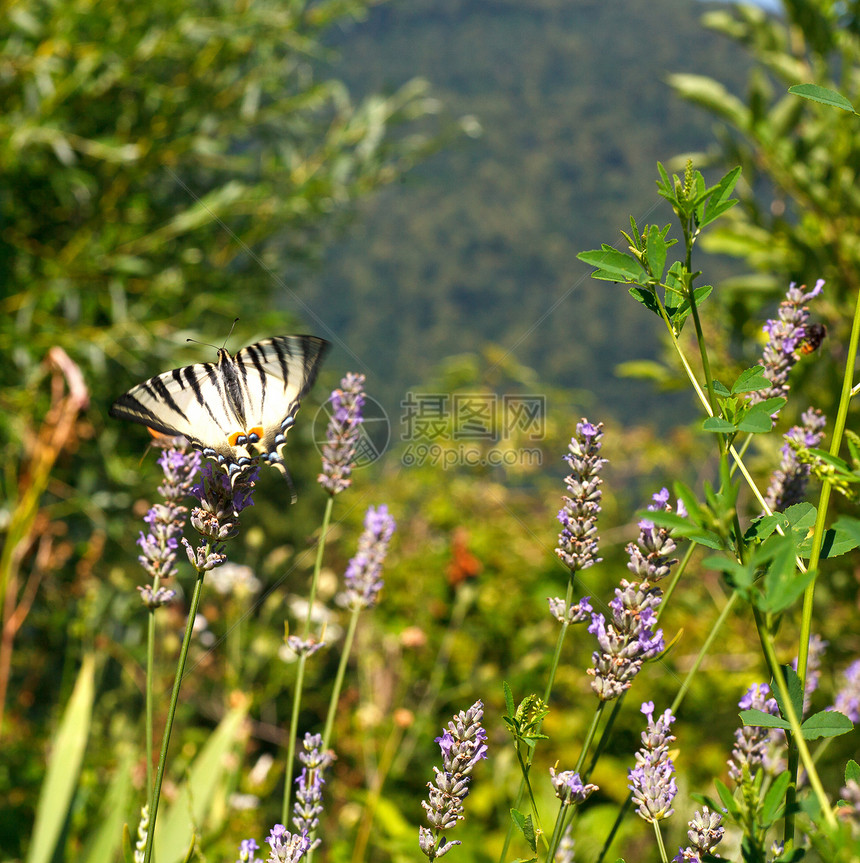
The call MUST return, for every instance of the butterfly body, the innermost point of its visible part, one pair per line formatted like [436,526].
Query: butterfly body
[235,410]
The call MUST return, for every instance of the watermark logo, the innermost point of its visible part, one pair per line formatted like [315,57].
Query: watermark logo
[472,429]
[374,433]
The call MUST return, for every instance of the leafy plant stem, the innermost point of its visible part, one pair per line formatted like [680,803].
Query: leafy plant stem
[824,498]
[794,721]
[171,710]
[338,681]
[525,765]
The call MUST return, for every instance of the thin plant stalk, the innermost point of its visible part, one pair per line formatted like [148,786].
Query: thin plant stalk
[300,671]
[150,697]
[341,672]
[171,710]
[659,834]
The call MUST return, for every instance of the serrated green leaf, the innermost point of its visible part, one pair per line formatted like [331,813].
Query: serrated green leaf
[756,421]
[826,723]
[720,389]
[783,582]
[718,424]
[822,94]
[613,265]
[760,719]
[524,823]
[763,527]
[750,380]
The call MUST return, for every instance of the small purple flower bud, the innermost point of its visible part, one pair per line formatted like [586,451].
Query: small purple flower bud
[578,613]
[705,833]
[247,847]
[304,646]
[286,847]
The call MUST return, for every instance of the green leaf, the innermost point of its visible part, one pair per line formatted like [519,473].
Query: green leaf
[614,266]
[727,799]
[822,94]
[655,252]
[750,381]
[682,527]
[783,582]
[720,389]
[843,537]
[509,699]
[718,424]
[524,823]
[760,719]
[826,723]
[852,771]
[774,800]
[646,297]
[61,778]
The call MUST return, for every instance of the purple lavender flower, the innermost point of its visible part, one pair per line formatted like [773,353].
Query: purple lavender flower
[752,742]
[577,541]
[705,833]
[343,434]
[789,481]
[308,806]
[848,698]
[164,521]
[652,780]
[785,334]
[629,638]
[569,787]
[247,847]
[362,577]
[463,746]
[286,847]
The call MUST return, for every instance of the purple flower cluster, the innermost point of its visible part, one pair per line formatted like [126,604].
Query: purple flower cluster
[308,805]
[577,613]
[284,847]
[752,742]
[705,833]
[785,334]
[164,522]
[628,638]
[789,480]
[577,541]
[362,576]
[343,434]
[652,780]
[848,698]
[463,746]
[569,787]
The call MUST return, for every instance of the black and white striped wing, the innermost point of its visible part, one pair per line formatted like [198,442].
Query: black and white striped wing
[274,376]
[190,401]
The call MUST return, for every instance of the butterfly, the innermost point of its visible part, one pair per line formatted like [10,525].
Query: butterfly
[235,410]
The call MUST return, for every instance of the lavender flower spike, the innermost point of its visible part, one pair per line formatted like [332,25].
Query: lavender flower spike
[577,541]
[705,833]
[789,480]
[785,335]
[164,521]
[751,742]
[343,434]
[463,746]
[362,576]
[308,806]
[652,780]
